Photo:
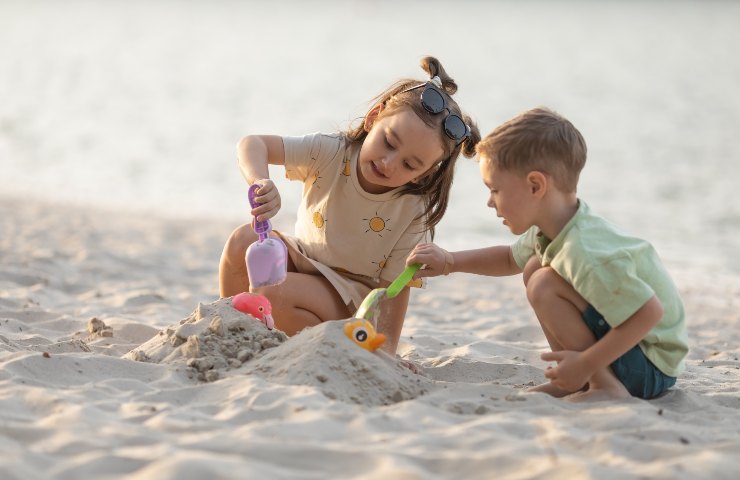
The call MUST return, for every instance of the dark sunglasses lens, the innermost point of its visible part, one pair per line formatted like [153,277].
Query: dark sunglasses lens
[432,100]
[455,128]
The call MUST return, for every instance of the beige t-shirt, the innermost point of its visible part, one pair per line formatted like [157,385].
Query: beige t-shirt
[341,225]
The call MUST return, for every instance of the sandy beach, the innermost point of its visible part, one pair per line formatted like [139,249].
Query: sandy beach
[75,405]
[119,186]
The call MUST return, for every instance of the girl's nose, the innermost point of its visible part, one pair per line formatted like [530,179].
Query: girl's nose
[389,164]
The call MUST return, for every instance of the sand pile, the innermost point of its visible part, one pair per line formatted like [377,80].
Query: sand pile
[325,358]
[216,341]
[212,340]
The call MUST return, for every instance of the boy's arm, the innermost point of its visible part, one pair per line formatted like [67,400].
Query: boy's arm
[575,368]
[492,261]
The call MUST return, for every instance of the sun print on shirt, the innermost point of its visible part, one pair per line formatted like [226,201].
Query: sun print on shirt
[346,169]
[318,220]
[377,224]
[380,264]
[315,179]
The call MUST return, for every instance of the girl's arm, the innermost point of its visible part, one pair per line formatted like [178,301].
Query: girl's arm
[254,153]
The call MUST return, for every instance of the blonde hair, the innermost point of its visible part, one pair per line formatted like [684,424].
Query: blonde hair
[434,187]
[538,139]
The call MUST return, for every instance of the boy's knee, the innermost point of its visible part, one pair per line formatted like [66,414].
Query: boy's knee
[541,284]
[532,266]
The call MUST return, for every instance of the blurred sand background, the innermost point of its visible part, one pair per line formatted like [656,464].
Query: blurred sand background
[118,122]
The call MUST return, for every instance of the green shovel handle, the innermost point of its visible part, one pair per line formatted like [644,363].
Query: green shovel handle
[401,281]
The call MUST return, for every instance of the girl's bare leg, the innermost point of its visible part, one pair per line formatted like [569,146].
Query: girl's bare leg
[302,300]
[232,271]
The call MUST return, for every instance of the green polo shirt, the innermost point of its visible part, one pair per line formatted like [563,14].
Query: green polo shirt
[617,274]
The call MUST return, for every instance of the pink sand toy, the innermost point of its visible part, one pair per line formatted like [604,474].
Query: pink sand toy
[255,305]
[267,262]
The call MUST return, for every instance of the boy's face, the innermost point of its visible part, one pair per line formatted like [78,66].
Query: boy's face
[510,195]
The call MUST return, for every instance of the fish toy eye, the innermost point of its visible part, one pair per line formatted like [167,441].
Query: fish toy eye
[360,334]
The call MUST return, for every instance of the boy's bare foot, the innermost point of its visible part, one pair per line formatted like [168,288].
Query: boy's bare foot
[550,389]
[599,394]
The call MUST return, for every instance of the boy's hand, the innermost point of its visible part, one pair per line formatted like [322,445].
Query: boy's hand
[269,199]
[570,373]
[436,260]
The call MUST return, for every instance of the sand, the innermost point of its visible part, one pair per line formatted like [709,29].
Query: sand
[118,360]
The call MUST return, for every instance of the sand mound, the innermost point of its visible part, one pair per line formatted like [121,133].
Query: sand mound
[322,356]
[216,340]
[212,340]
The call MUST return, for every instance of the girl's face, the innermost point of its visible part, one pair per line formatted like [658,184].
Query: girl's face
[399,148]
[510,196]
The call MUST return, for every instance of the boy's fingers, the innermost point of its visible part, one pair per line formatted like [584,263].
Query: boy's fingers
[551,356]
[423,273]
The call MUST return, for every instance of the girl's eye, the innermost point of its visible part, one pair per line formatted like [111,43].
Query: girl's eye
[408,166]
[387,143]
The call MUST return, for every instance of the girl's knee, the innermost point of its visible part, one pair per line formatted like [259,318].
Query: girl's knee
[238,242]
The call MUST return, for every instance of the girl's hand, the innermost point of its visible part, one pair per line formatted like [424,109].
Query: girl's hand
[269,199]
[433,258]
[570,373]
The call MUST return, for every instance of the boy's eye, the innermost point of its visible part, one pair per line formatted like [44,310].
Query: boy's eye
[387,143]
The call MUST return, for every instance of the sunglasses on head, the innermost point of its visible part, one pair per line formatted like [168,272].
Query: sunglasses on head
[434,102]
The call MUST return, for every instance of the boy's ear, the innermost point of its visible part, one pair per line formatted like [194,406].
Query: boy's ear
[537,183]
[372,115]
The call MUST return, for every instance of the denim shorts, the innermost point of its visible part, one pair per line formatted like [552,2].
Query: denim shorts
[638,374]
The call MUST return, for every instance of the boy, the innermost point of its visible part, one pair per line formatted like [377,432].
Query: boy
[608,308]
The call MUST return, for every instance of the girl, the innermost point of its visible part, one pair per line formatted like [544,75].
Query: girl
[370,194]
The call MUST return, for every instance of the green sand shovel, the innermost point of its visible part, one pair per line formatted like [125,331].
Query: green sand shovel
[369,306]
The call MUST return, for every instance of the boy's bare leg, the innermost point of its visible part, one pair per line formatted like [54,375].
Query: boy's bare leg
[558,308]
[529,269]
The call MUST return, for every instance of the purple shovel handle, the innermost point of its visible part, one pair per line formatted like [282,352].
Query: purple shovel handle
[261,228]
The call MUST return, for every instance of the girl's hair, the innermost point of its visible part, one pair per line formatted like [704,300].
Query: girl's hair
[434,186]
